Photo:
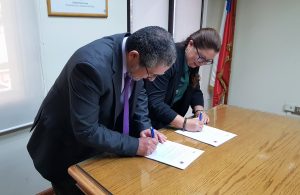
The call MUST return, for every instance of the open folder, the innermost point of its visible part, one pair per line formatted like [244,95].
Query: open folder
[175,154]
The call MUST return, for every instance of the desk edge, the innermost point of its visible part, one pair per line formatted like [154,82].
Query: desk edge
[86,183]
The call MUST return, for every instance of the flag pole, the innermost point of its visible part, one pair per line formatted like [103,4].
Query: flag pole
[171,16]
[201,16]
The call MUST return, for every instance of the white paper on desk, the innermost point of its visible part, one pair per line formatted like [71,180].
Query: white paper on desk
[175,154]
[209,135]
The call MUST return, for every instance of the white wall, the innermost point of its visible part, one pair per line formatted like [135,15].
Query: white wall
[18,175]
[61,36]
[187,18]
[214,13]
[149,13]
[266,65]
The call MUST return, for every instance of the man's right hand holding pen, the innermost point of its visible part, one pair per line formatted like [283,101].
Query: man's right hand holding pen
[148,141]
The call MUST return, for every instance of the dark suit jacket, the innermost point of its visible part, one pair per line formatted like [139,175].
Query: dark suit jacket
[161,93]
[78,118]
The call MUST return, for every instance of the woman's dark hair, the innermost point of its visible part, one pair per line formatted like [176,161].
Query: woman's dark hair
[205,38]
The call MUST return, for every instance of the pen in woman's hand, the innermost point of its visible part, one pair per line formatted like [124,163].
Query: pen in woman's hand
[152,132]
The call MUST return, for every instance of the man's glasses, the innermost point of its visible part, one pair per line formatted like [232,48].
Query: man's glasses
[202,60]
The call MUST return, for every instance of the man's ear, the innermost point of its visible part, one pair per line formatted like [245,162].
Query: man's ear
[133,60]
[133,55]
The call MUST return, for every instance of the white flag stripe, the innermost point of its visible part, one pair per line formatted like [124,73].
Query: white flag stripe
[215,64]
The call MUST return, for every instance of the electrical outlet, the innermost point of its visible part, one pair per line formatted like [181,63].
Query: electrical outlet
[297,110]
[288,108]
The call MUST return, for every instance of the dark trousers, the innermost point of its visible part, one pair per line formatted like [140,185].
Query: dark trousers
[66,187]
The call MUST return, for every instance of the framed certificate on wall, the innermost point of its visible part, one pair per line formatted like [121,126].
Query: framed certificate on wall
[78,8]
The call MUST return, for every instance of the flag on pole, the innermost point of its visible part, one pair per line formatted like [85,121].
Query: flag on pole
[221,71]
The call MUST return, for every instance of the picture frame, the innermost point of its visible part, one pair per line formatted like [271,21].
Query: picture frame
[78,8]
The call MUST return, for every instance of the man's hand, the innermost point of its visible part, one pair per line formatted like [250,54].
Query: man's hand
[147,145]
[157,135]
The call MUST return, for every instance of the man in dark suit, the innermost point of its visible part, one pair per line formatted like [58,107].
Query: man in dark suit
[84,114]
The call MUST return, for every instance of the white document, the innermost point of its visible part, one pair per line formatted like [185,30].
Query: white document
[175,154]
[209,135]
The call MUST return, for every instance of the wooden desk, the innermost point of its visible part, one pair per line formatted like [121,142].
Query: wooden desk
[263,159]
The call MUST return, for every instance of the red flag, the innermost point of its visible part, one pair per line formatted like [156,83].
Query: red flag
[225,56]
